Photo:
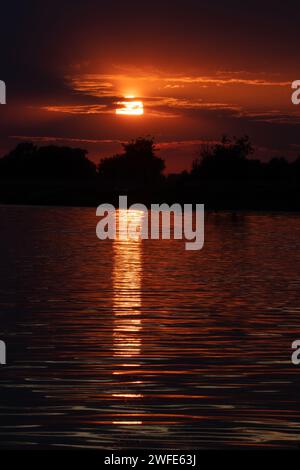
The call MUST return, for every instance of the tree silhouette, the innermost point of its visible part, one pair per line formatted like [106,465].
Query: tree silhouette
[227,159]
[295,169]
[137,166]
[277,168]
[27,161]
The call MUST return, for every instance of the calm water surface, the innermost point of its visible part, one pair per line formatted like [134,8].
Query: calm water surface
[124,344]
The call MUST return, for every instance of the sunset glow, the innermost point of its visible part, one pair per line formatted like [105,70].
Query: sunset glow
[130,108]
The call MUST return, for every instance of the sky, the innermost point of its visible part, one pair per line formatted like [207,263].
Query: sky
[202,69]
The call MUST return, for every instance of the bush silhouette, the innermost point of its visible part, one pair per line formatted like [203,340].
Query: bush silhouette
[28,162]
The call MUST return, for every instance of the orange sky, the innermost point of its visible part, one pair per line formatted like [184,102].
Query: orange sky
[200,70]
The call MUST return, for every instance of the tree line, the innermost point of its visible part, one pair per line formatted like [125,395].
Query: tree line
[224,175]
[138,165]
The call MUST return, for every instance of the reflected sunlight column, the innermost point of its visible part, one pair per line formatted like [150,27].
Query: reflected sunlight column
[127,275]
[127,278]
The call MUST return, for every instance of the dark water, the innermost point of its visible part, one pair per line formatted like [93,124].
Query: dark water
[125,344]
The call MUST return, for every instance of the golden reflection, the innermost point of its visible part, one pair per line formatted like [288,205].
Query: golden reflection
[127,275]
[127,395]
[130,423]
[127,286]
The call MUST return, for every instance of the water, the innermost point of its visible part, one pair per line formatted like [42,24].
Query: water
[141,344]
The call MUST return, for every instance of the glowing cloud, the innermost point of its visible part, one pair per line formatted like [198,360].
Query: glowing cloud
[130,108]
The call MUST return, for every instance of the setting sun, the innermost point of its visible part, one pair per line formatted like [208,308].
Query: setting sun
[130,108]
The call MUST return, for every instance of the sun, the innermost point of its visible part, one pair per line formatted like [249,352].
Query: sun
[130,107]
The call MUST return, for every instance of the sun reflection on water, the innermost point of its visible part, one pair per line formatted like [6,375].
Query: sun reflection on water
[127,277]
